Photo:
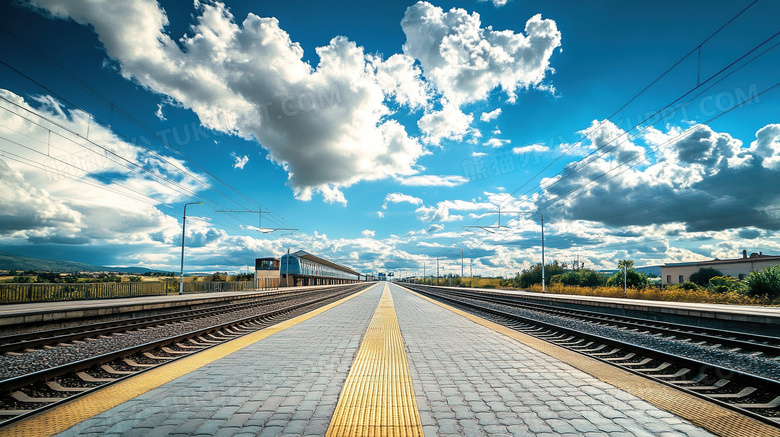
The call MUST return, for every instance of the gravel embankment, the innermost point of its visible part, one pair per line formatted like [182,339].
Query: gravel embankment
[16,365]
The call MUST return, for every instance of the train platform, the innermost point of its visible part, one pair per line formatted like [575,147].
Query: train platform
[21,313]
[387,361]
[716,315]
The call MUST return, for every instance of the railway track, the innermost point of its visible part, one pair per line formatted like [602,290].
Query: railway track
[96,327]
[750,394]
[734,341]
[30,393]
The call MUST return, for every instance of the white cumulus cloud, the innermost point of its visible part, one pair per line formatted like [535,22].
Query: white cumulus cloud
[466,61]
[496,142]
[239,161]
[447,123]
[492,115]
[401,198]
[433,181]
[327,124]
[533,148]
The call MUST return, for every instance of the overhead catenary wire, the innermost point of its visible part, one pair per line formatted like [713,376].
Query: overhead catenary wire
[110,124]
[632,99]
[626,133]
[628,167]
[60,70]
[584,189]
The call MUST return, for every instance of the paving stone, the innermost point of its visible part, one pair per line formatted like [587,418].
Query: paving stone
[448,426]
[298,372]
[508,387]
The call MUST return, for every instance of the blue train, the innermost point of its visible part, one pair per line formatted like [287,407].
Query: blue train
[303,268]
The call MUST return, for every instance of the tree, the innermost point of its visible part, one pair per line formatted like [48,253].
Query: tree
[626,262]
[533,275]
[218,277]
[583,278]
[633,279]
[703,275]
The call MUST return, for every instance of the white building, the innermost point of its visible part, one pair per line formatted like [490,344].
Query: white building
[676,273]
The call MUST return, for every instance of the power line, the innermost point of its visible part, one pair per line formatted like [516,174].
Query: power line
[511,195]
[63,72]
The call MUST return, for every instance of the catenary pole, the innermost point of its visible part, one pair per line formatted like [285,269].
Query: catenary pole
[183,227]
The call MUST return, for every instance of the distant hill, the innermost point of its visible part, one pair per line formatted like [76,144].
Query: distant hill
[648,270]
[10,261]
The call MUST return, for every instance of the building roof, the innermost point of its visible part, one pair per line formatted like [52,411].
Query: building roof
[753,257]
[307,256]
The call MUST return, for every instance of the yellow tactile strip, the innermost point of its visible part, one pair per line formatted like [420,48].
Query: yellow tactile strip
[378,399]
[709,416]
[64,416]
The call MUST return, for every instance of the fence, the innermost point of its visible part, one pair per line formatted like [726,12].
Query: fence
[26,293]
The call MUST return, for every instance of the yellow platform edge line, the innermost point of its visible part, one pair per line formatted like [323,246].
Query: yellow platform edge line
[377,398]
[714,418]
[71,413]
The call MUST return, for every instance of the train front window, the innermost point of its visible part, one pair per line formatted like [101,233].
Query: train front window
[265,264]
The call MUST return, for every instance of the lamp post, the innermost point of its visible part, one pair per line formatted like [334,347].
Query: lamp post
[461,263]
[437,271]
[625,280]
[287,268]
[183,226]
[542,251]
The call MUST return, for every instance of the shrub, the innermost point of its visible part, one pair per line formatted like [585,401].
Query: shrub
[765,283]
[725,284]
[688,285]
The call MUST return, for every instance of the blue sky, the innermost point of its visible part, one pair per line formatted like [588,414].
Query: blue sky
[380,130]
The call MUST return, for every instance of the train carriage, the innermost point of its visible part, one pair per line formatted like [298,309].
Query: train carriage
[302,269]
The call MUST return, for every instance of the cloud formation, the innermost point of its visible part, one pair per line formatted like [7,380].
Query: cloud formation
[533,148]
[327,125]
[239,161]
[492,115]
[466,61]
[82,185]
[432,181]
[401,198]
[706,180]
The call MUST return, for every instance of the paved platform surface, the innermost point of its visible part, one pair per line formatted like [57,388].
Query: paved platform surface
[467,379]
[287,384]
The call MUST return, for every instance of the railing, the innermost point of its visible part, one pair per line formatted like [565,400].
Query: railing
[215,287]
[27,293]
